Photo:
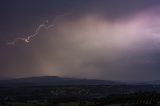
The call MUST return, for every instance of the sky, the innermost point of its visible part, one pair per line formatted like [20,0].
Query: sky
[100,39]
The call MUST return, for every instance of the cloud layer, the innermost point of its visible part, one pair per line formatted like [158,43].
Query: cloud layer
[94,47]
[92,44]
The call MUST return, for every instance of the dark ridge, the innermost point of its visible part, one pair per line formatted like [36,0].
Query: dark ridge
[54,80]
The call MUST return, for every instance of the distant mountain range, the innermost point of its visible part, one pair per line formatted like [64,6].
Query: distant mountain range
[55,80]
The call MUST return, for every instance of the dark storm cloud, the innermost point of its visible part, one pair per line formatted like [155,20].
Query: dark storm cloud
[107,39]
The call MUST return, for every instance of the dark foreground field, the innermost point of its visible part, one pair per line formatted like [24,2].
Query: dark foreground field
[81,95]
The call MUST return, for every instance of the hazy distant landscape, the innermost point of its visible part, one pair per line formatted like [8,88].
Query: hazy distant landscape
[58,91]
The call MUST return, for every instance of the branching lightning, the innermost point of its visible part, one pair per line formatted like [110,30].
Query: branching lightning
[27,39]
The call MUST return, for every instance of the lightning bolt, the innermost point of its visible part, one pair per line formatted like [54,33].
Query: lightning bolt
[27,39]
